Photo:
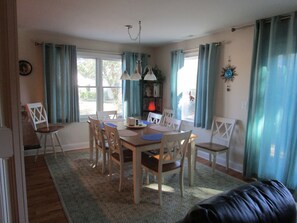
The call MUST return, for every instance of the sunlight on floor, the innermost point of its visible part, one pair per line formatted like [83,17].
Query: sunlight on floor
[165,188]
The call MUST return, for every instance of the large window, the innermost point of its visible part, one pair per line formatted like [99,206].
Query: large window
[99,84]
[186,87]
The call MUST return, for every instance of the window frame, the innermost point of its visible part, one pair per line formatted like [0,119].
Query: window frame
[99,57]
[192,54]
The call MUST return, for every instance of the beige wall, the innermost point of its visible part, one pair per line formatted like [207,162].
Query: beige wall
[74,135]
[233,104]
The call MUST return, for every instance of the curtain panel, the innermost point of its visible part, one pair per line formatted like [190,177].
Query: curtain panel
[206,76]
[177,63]
[271,138]
[60,83]
[132,99]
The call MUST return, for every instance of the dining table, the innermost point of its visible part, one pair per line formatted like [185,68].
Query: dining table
[134,138]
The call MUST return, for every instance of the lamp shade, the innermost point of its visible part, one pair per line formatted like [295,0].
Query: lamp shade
[135,76]
[125,76]
[150,76]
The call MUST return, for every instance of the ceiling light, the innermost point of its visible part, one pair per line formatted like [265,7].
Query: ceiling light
[138,69]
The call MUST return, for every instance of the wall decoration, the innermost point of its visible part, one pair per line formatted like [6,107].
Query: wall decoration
[25,68]
[228,73]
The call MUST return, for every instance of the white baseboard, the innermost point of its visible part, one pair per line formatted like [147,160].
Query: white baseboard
[222,161]
[32,152]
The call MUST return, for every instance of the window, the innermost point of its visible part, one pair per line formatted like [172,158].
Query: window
[186,87]
[99,83]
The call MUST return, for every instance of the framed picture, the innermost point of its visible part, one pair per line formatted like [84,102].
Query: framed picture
[25,68]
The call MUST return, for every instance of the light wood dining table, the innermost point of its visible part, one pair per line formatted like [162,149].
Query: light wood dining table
[132,139]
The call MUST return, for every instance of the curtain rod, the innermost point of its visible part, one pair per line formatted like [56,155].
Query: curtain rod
[84,49]
[196,49]
[267,20]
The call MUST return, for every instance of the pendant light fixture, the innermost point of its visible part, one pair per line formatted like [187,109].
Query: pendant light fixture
[138,69]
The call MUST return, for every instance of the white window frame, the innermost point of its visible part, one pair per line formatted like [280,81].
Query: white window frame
[190,54]
[99,57]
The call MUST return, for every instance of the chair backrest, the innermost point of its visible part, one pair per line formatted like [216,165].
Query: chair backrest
[173,148]
[114,141]
[37,115]
[97,132]
[172,123]
[167,113]
[154,118]
[101,115]
[222,130]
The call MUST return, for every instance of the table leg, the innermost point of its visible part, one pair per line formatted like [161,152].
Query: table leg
[191,161]
[137,175]
[91,142]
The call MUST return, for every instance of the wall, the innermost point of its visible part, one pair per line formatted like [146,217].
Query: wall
[74,135]
[233,104]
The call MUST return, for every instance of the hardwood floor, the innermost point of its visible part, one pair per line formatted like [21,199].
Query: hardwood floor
[43,201]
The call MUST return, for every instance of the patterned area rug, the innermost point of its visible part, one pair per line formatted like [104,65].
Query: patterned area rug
[89,196]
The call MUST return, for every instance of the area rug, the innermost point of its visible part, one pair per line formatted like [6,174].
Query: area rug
[89,196]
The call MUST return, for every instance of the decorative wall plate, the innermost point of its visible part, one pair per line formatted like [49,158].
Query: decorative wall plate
[228,72]
[25,68]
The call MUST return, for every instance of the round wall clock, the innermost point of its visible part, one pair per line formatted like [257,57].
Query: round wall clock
[25,67]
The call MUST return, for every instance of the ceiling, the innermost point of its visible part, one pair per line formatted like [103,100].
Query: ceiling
[163,21]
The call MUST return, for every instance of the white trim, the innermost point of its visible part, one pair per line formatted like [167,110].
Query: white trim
[5,212]
[222,161]
[68,147]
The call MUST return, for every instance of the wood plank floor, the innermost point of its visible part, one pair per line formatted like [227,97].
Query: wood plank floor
[43,201]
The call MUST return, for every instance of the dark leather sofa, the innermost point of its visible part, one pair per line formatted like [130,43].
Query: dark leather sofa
[261,201]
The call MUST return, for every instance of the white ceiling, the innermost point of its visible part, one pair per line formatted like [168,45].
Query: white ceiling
[163,21]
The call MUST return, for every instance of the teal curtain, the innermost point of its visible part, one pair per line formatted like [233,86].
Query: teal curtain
[177,63]
[206,76]
[60,83]
[271,138]
[132,99]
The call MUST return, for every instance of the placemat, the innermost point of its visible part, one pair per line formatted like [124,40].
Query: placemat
[152,137]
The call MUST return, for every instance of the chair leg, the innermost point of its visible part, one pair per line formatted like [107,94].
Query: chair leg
[227,160]
[44,144]
[37,150]
[121,177]
[196,155]
[103,161]
[59,143]
[210,158]
[110,168]
[53,145]
[214,162]
[181,184]
[160,189]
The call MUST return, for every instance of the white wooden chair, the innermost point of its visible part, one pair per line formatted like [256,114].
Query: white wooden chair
[221,133]
[154,118]
[40,124]
[167,113]
[117,154]
[101,144]
[169,161]
[103,115]
[172,123]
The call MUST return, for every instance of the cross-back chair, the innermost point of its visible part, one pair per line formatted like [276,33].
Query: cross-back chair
[102,115]
[154,118]
[167,113]
[170,160]
[101,144]
[221,133]
[174,124]
[39,120]
[117,153]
